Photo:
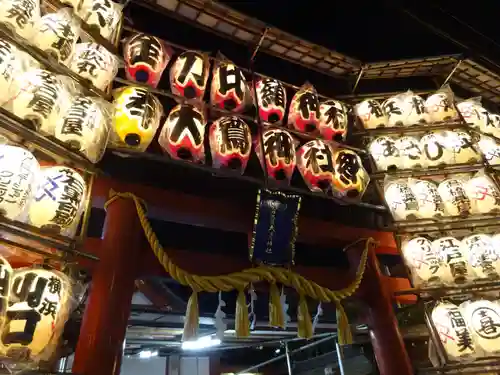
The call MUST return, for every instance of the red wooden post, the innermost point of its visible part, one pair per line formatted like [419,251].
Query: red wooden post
[100,346]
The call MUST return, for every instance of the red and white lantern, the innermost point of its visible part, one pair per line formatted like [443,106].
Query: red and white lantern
[304,113]
[333,120]
[350,179]
[279,156]
[483,194]
[271,99]
[229,87]
[189,75]
[315,164]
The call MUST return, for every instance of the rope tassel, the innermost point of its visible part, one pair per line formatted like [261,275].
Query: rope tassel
[276,316]
[304,324]
[242,323]
[192,318]
[343,328]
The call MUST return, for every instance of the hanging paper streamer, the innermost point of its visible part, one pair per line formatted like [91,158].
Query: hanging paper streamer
[286,318]
[452,254]
[146,57]
[137,115]
[333,120]
[229,88]
[230,143]
[483,194]
[315,164]
[252,316]
[220,326]
[385,154]
[20,16]
[483,318]
[319,313]
[189,75]
[483,257]
[401,200]
[456,201]
[275,228]
[271,98]
[439,106]
[350,179]
[102,15]
[430,203]
[304,114]
[183,133]
[370,114]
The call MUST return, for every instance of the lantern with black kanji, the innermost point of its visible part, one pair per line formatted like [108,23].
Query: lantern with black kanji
[6,275]
[460,143]
[230,143]
[473,112]
[484,259]
[490,149]
[435,150]
[146,57]
[279,154]
[10,66]
[304,113]
[350,179]
[189,75]
[20,16]
[384,153]
[492,125]
[455,198]
[229,89]
[401,200]
[40,304]
[333,120]
[396,110]
[271,99]
[370,114]
[430,203]
[183,133]
[315,164]
[416,112]
[410,152]
[58,202]
[439,106]
[483,318]
[455,257]
[483,194]
[137,115]
[425,264]
[104,16]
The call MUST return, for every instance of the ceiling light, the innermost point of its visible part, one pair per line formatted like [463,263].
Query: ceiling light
[147,354]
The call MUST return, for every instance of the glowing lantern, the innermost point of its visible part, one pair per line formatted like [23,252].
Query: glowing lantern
[430,203]
[304,113]
[483,319]
[460,144]
[439,106]
[453,331]
[6,274]
[401,200]
[279,154]
[415,107]
[455,198]
[384,153]
[146,57]
[85,126]
[351,178]
[490,149]
[483,257]
[271,97]
[496,241]
[396,109]
[229,89]
[434,150]
[102,15]
[493,125]
[425,264]
[95,63]
[20,16]
[473,112]
[483,194]
[189,75]
[57,34]
[39,309]
[333,120]
[452,254]
[10,65]
[315,164]
[230,143]
[183,133]
[371,115]
[137,115]
[410,154]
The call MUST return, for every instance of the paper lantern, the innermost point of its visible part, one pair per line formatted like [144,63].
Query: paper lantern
[304,113]
[483,318]
[461,145]
[40,305]
[57,34]
[452,254]
[435,151]
[456,201]
[279,154]
[483,194]
[453,331]
[95,63]
[315,164]
[397,110]
[37,98]
[490,149]
[6,274]
[430,203]
[384,152]
[146,57]
[493,125]
[496,240]
[10,66]
[351,178]
[401,201]
[183,133]
[370,114]
[415,107]
[231,143]
[20,16]
[473,113]
[104,16]
[333,120]
[483,257]
[439,107]
[271,98]
[85,126]
[410,154]
[424,263]
[229,89]
[137,115]
[189,75]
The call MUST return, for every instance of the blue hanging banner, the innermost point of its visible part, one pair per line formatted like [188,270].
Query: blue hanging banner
[275,228]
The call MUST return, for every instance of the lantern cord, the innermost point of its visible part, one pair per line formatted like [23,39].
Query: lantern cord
[241,280]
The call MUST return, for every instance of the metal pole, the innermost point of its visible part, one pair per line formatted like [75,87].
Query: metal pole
[452,72]
[339,357]
[361,71]
[288,361]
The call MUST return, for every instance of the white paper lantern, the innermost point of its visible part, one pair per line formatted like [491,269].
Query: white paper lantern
[483,257]
[483,318]
[494,128]
[435,151]
[304,114]
[10,67]
[333,120]
[18,177]
[473,113]
[101,15]
[396,110]
[95,63]
[371,114]
[401,201]
[439,107]
[430,203]
[58,202]
[416,111]
[229,89]
[384,152]
[483,194]
[189,75]
[425,264]
[455,198]
[453,331]
[40,305]
[490,149]
[452,254]
[20,16]
[461,145]
[410,153]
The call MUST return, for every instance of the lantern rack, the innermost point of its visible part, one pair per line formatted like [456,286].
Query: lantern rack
[414,129]
[450,291]
[430,171]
